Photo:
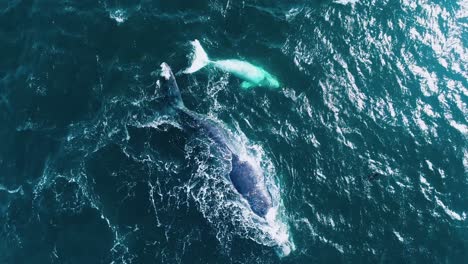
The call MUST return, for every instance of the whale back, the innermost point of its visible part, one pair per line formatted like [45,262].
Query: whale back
[248,183]
[242,69]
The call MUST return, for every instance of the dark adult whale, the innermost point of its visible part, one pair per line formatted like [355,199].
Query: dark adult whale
[245,176]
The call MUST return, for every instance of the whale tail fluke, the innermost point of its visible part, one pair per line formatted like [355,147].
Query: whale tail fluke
[199,58]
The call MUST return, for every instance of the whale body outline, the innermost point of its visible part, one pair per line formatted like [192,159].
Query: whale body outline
[246,178]
[252,76]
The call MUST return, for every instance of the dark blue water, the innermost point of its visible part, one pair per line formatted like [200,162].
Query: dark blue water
[364,145]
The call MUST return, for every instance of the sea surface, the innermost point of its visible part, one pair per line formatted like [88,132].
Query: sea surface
[365,143]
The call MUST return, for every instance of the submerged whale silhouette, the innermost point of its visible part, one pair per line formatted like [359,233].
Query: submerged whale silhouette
[246,178]
[252,75]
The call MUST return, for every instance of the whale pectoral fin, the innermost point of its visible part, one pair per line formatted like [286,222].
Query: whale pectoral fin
[247,85]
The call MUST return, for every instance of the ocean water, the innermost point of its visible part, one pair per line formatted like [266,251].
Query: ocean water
[364,145]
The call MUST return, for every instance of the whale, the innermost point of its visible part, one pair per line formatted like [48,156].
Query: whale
[252,76]
[246,178]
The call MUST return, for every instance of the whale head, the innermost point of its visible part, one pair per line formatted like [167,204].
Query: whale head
[249,182]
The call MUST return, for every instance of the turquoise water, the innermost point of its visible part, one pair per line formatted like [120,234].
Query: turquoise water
[365,145]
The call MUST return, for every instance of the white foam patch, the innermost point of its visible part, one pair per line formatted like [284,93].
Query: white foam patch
[460,127]
[279,231]
[161,121]
[400,238]
[451,213]
[430,165]
[118,15]
[292,13]
[426,188]
[346,2]
[165,71]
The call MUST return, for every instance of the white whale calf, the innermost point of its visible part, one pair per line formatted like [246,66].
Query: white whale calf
[252,75]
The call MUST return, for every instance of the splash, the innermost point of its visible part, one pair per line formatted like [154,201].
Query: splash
[119,15]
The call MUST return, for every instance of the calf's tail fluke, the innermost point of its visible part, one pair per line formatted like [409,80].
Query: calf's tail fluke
[199,57]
